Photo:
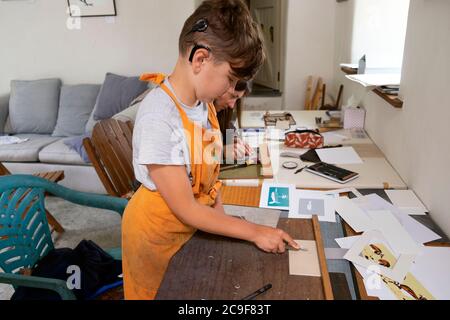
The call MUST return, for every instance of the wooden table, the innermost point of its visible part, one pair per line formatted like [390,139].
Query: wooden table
[212,267]
[375,171]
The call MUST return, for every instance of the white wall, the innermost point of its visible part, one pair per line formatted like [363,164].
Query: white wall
[415,139]
[310,46]
[35,42]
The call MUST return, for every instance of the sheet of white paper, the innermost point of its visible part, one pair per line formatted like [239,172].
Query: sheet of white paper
[376,80]
[276,196]
[398,238]
[431,269]
[305,204]
[407,201]
[345,155]
[416,230]
[396,272]
[332,138]
[264,217]
[353,215]
[305,263]
[348,242]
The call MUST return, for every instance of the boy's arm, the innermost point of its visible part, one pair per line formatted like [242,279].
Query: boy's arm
[173,185]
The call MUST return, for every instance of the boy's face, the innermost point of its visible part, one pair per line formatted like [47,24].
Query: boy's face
[214,80]
[228,100]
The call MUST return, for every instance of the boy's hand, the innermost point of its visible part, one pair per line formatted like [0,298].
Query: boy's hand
[241,150]
[273,240]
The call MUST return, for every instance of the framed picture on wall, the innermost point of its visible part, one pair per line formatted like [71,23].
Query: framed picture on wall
[92,8]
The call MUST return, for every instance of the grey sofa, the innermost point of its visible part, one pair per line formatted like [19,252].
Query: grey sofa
[44,152]
[48,113]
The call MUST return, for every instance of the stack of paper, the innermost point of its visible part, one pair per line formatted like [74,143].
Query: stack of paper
[389,254]
[427,277]
[376,80]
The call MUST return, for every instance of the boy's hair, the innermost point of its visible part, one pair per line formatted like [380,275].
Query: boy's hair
[231,35]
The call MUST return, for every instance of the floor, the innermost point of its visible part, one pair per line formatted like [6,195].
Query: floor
[100,226]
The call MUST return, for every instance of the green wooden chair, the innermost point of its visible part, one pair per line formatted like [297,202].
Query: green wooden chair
[24,232]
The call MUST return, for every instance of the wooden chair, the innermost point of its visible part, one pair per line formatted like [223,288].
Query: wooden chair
[110,151]
[53,176]
[24,233]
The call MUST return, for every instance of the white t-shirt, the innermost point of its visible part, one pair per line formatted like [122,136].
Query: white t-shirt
[158,135]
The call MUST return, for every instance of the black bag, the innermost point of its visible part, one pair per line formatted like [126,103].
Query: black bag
[98,269]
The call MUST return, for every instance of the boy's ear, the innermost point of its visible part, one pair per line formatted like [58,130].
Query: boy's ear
[200,56]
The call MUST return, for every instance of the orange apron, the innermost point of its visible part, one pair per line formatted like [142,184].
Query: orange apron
[151,233]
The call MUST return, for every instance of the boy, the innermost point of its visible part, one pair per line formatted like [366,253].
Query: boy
[180,191]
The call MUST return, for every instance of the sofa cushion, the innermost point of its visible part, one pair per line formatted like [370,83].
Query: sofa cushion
[75,107]
[33,106]
[26,151]
[76,144]
[116,94]
[59,153]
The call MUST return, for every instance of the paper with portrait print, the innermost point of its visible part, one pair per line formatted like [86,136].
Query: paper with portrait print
[396,272]
[408,289]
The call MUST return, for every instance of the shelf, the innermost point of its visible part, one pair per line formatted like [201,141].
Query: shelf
[389,98]
[393,100]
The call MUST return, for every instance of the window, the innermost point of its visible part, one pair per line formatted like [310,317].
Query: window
[379,31]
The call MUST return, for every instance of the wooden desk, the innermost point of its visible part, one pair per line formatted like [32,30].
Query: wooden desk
[217,268]
[375,172]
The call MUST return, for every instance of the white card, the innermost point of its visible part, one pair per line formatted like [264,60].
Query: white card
[305,263]
[305,204]
[419,232]
[407,201]
[276,196]
[431,270]
[348,242]
[398,238]
[345,155]
[353,215]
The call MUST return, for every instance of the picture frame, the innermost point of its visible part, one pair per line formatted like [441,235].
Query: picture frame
[92,8]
